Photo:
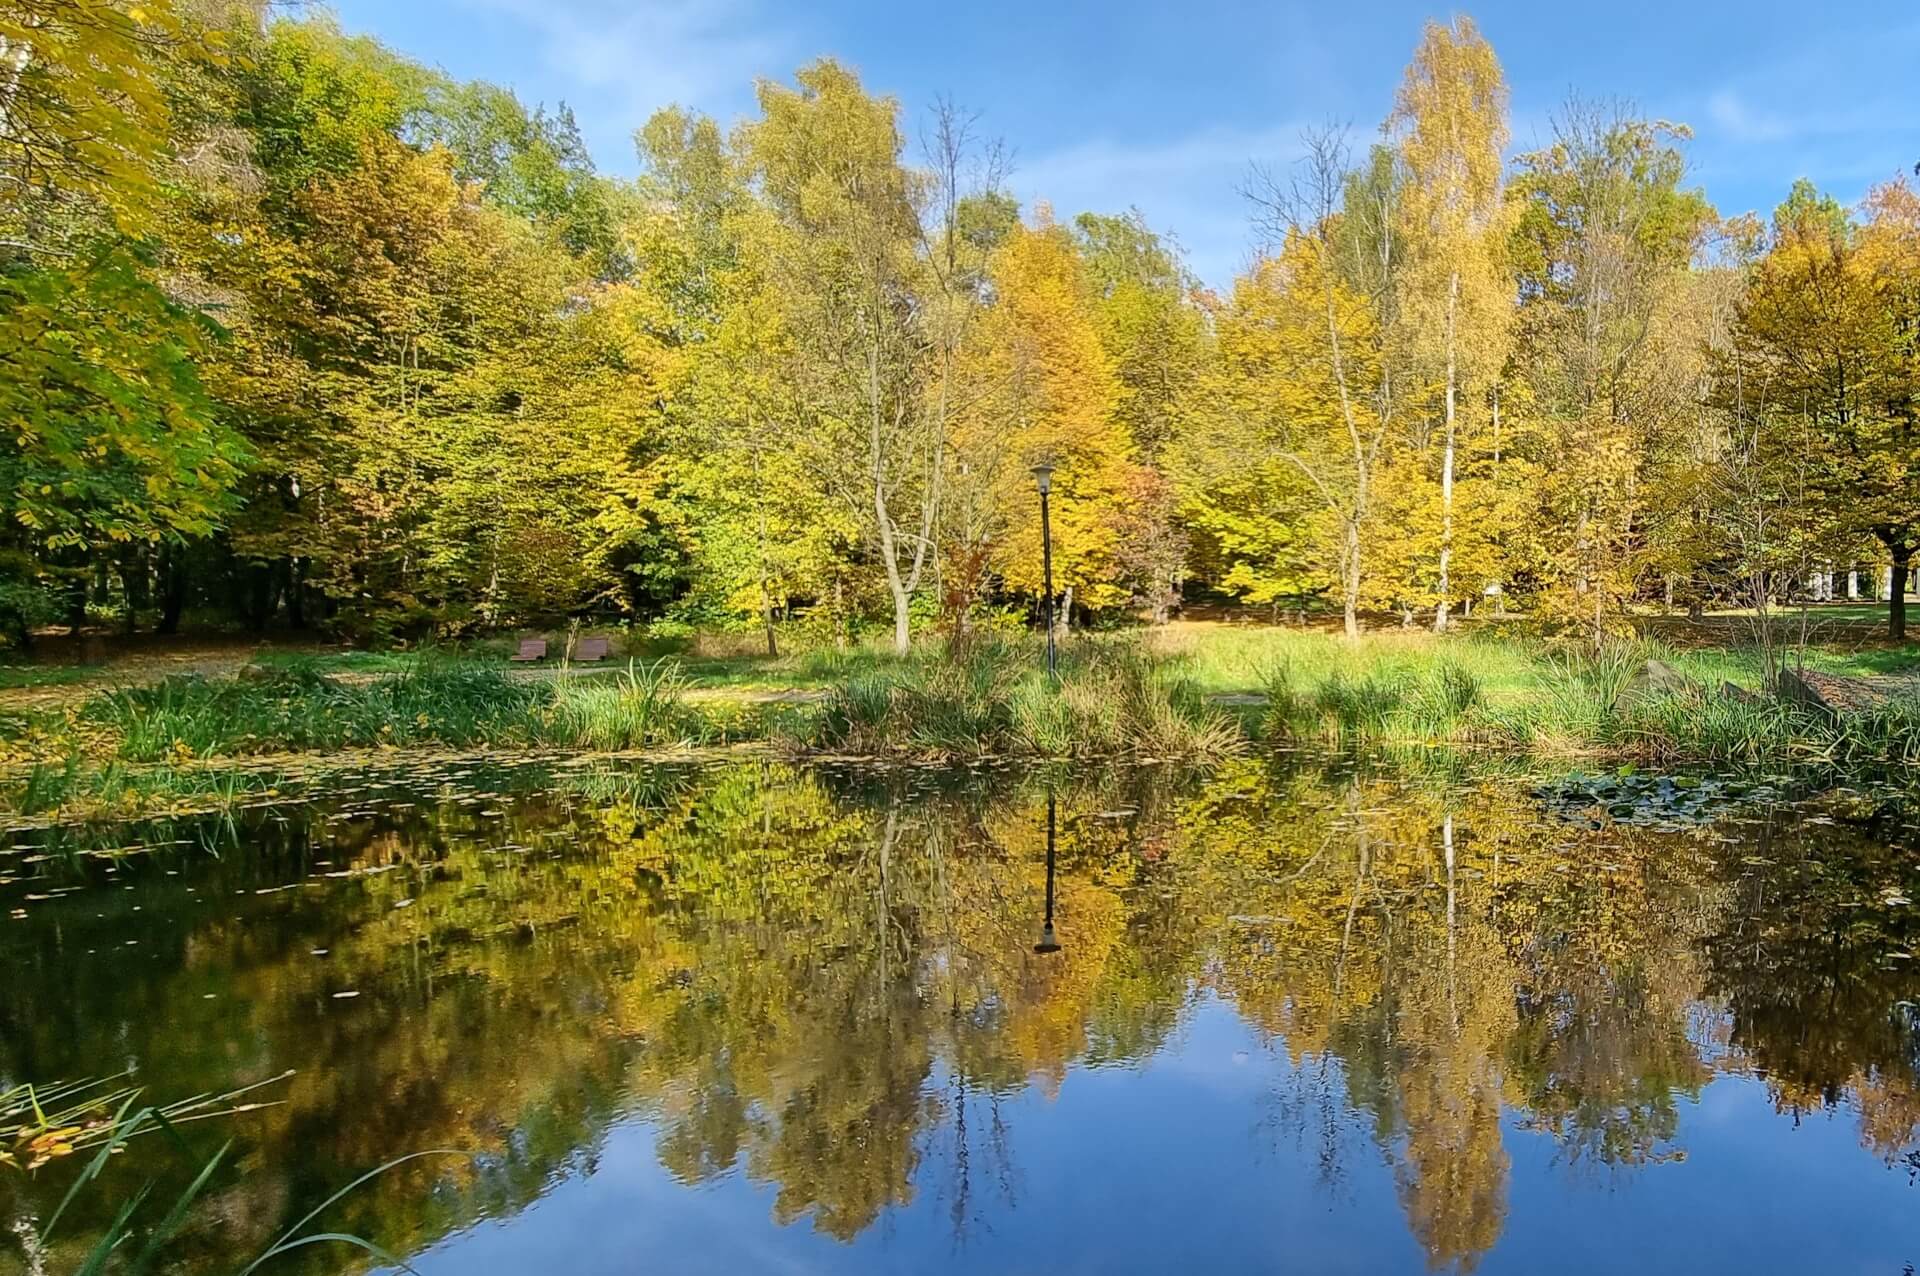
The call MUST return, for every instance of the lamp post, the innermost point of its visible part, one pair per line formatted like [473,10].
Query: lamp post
[1043,479]
[1048,944]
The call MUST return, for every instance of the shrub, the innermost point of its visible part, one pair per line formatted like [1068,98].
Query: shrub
[1112,698]
[294,707]
[643,707]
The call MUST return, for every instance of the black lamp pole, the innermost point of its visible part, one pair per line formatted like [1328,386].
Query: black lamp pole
[1048,944]
[1043,478]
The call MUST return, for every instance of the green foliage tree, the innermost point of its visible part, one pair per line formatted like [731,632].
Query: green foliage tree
[1611,342]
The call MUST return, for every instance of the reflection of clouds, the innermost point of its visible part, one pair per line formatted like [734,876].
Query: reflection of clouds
[628,1205]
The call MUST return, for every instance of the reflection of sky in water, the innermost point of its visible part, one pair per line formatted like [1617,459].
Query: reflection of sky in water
[1285,1032]
[1178,1165]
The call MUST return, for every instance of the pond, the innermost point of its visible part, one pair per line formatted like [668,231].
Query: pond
[1305,1013]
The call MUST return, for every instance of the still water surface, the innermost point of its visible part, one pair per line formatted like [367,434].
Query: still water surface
[1305,1015]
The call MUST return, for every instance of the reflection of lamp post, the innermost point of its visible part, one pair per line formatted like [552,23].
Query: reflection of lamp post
[1047,942]
[1043,479]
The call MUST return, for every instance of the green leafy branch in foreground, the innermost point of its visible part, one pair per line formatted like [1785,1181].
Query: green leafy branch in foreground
[39,1125]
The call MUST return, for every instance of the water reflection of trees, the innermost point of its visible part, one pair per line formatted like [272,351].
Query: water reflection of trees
[832,984]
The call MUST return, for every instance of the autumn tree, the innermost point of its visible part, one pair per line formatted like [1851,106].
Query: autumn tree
[1155,335]
[1609,338]
[408,303]
[728,485]
[845,257]
[1819,369]
[114,447]
[1049,394]
[1144,313]
[968,218]
[1300,394]
[1450,124]
[1879,459]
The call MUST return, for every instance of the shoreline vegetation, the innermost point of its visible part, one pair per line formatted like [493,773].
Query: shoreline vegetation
[1188,693]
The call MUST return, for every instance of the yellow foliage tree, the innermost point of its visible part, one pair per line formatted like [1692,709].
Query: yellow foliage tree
[1048,393]
[1278,455]
[1450,118]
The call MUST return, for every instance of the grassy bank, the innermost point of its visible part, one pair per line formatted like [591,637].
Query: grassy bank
[1113,698]
[432,701]
[1573,700]
[172,744]
[1189,691]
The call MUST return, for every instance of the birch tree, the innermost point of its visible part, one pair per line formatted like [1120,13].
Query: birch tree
[1450,124]
[846,258]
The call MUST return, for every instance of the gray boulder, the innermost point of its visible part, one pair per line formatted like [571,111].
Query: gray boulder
[1650,681]
[1831,695]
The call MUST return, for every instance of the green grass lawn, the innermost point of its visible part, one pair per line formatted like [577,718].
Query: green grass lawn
[1218,656]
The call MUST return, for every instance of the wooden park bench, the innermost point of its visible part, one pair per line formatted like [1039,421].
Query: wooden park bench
[531,649]
[590,650]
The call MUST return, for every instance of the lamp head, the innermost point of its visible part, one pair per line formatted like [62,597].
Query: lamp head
[1047,944]
[1043,477]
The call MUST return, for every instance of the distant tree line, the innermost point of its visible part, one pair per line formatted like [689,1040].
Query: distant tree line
[296,331]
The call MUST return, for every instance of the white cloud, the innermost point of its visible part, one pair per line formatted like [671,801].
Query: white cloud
[1740,122]
[1844,145]
[624,60]
[1188,186]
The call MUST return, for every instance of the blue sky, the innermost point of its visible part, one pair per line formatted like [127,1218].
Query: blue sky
[1163,105]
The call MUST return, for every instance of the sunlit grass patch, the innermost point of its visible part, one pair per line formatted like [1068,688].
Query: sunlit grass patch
[1112,697]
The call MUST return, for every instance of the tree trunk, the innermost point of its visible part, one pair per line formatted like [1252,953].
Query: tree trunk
[1446,464]
[1897,595]
[76,600]
[173,589]
[766,591]
[1351,602]
[766,586]
[297,593]
[902,625]
[133,585]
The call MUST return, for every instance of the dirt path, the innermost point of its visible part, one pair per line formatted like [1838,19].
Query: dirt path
[90,666]
[128,668]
